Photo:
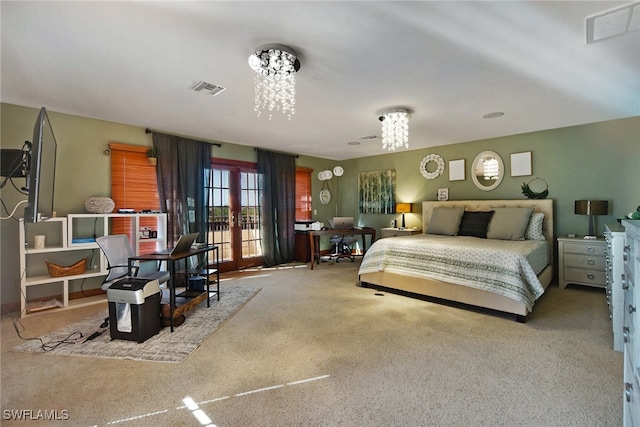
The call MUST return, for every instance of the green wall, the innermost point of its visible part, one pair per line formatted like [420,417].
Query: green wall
[593,161]
[82,171]
[600,160]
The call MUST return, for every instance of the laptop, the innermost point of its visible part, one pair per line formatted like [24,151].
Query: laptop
[341,223]
[184,244]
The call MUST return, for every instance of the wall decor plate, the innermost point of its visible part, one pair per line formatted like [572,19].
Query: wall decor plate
[325,196]
[439,166]
[338,171]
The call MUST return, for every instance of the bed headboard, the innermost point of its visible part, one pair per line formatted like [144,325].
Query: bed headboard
[543,205]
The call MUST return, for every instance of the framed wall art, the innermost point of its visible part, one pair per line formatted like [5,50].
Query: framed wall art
[521,164]
[377,192]
[456,170]
[443,194]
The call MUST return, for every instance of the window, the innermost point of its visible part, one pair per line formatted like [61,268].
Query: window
[303,194]
[133,180]
[133,184]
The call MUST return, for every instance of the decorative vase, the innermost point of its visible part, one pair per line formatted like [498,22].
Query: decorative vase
[99,205]
[152,161]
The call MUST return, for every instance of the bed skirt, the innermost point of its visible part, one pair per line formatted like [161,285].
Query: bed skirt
[453,292]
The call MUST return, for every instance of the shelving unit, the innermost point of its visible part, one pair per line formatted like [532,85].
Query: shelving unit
[68,240]
[80,229]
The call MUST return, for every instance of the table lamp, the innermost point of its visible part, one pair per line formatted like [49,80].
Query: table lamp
[591,208]
[403,208]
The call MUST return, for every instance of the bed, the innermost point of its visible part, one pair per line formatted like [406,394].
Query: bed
[508,271]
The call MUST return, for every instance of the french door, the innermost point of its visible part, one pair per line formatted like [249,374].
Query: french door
[234,220]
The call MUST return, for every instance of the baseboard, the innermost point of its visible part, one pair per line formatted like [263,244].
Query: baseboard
[12,307]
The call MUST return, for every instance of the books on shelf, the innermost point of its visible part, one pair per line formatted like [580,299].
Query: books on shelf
[83,240]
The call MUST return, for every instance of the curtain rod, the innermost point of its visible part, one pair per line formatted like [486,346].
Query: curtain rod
[217,144]
[281,152]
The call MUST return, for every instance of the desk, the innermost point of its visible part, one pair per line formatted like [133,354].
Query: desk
[171,267]
[315,236]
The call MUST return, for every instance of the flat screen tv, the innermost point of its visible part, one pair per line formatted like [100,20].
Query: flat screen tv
[42,171]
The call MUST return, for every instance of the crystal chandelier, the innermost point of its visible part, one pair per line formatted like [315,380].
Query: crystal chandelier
[395,129]
[275,80]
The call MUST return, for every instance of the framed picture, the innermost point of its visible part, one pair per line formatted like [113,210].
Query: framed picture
[521,164]
[443,194]
[377,192]
[456,170]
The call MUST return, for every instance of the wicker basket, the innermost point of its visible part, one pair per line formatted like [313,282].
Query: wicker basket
[59,271]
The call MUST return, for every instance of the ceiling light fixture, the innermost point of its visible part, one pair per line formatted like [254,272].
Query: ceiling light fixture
[275,80]
[395,129]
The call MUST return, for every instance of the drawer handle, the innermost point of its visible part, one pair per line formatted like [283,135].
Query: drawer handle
[591,276]
[590,249]
[625,334]
[628,389]
[591,262]
[631,309]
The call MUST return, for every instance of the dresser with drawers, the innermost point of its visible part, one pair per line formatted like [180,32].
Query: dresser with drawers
[630,280]
[614,238]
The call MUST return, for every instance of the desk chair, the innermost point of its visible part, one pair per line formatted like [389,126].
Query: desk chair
[117,249]
[342,247]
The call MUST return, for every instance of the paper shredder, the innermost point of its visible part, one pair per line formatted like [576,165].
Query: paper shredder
[134,309]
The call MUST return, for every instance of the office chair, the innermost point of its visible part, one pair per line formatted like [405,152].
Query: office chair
[117,249]
[342,247]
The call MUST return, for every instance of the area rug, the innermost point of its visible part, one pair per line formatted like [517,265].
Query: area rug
[166,346]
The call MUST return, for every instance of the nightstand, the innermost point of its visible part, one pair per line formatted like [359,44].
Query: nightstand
[582,261]
[393,232]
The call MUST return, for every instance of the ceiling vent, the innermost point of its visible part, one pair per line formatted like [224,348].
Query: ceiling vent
[613,22]
[214,90]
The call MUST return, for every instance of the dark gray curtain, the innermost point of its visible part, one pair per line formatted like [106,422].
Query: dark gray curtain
[277,180]
[184,165]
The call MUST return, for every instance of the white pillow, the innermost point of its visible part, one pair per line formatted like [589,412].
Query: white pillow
[534,229]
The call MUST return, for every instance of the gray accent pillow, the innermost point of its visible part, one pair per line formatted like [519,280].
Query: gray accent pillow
[509,223]
[445,221]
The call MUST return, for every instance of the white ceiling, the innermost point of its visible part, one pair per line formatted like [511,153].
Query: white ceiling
[449,62]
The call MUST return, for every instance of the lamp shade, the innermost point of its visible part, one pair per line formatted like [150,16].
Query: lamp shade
[403,207]
[591,207]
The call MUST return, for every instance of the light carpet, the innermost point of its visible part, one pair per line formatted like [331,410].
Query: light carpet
[166,346]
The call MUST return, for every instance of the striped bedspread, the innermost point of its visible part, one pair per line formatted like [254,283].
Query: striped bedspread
[504,267]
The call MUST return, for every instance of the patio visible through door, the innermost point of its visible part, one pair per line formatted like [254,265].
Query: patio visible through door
[234,220]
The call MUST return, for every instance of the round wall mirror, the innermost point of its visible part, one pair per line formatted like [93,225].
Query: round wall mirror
[487,170]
